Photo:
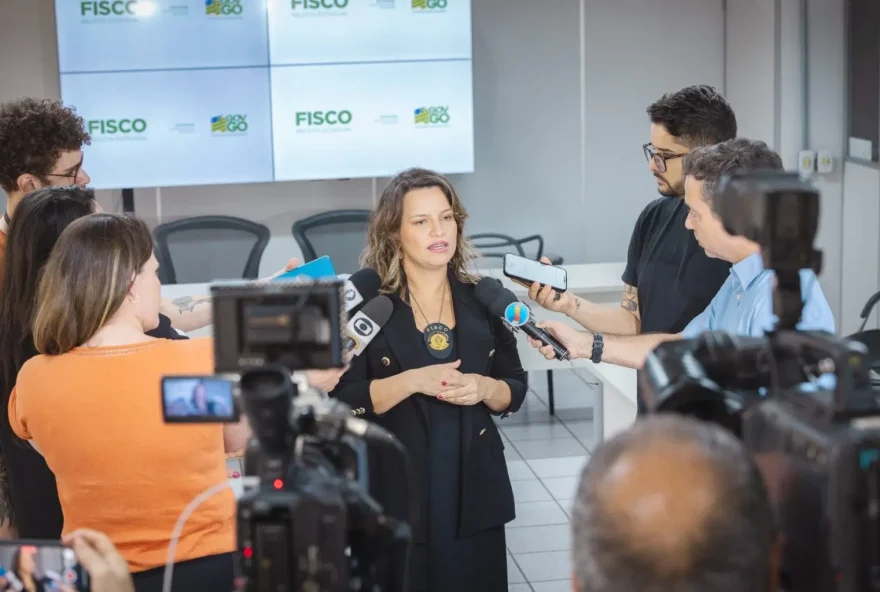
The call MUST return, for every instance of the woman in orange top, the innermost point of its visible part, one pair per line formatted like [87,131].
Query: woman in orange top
[91,405]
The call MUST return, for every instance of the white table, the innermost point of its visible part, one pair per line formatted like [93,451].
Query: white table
[615,407]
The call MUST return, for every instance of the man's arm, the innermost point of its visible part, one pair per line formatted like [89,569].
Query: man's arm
[597,318]
[621,350]
[188,313]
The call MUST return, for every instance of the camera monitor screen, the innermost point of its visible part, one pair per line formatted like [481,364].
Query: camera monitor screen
[44,565]
[198,399]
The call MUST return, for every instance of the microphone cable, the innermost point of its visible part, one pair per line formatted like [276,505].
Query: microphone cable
[178,529]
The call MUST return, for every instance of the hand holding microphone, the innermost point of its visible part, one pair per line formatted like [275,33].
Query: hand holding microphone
[502,303]
[572,340]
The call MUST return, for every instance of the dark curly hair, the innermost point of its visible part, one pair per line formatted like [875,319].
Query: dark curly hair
[697,115]
[33,134]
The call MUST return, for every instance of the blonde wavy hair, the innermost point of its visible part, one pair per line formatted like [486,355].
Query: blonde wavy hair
[383,252]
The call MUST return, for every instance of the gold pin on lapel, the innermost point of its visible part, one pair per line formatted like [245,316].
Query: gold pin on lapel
[386,361]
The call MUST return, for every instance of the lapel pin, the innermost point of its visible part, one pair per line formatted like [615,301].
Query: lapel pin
[386,361]
[483,431]
[491,353]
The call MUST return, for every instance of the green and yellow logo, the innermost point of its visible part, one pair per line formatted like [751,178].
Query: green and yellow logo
[223,7]
[112,127]
[429,4]
[318,4]
[233,124]
[426,116]
[323,118]
[109,8]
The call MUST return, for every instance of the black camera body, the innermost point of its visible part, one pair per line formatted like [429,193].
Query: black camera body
[802,402]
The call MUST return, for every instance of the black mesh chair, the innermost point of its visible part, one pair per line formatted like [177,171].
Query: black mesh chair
[870,338]
[493,245]
[339,234]
[207,248]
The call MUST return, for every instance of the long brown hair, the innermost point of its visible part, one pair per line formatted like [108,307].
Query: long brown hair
[87,279]
[383,251]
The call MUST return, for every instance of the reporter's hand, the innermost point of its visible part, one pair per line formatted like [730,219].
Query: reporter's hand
[549,298]
[325,380]
[576,342]
[464,389]
[292,264]
[107,569]
[431,380]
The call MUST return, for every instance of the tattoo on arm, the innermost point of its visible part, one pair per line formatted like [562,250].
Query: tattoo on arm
[6,517]
[188,303]
[630,299]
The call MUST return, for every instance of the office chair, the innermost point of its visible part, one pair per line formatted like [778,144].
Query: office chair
[207,248]
[339,234]
[870,338]
[493,245]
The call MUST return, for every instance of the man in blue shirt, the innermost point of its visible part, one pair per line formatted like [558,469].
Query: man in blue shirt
[744,304]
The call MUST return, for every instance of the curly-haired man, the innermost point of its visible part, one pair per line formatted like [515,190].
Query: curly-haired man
[40,145]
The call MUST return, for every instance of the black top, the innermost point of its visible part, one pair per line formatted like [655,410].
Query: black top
[32,489]
[675,278]
[485,347]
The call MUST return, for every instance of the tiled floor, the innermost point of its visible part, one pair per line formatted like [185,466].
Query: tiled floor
[544,457]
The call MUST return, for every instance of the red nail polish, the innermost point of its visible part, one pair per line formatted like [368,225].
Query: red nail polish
[443,384]
[439,396]
[236,474]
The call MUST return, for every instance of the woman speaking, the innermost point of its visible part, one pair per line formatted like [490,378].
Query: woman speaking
[434,377]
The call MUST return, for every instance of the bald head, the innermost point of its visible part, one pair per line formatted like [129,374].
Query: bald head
[672,505]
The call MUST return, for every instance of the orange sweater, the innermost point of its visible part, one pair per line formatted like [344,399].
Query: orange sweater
[96,416]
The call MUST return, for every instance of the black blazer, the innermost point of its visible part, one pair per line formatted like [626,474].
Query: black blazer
[485,347]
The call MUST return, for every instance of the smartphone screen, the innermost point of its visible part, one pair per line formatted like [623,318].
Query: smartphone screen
[198,399]
[517,267]
[49,564]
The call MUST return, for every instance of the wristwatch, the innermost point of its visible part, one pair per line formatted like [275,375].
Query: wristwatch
[598,346]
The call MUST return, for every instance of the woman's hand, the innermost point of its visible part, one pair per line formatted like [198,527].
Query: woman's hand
[431,380]
[107,569]
[465,389]
[549,298]
[325,380]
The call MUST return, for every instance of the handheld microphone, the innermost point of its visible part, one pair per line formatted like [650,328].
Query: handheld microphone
[366,324]
[501,302]
[362,285]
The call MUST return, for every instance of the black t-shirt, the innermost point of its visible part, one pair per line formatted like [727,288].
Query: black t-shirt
[675,278]
[32,488]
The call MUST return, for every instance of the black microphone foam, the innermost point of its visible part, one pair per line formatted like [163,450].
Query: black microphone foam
[379,309]
[486,291]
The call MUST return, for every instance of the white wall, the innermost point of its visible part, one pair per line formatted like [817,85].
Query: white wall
[765,84]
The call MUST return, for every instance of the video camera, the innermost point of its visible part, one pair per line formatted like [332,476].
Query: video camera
[308,524]
[802,402]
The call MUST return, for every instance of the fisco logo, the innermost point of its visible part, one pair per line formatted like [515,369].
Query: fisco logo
[117,129]
[323,121]
[301,8]
[116,10]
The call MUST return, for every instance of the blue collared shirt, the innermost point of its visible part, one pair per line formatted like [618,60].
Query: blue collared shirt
[744,304]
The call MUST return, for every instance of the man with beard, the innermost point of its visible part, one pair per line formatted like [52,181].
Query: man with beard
[668,279]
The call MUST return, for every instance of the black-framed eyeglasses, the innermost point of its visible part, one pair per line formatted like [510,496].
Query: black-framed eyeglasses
[659,159]
[73,174]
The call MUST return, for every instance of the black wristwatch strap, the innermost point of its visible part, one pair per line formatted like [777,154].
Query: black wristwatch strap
[598,346]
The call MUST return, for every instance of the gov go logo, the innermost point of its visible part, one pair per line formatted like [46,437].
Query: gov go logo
[431,116]
[433,5]
[223,7]
[234,124]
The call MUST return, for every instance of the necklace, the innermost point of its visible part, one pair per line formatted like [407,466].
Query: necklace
[438,337]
